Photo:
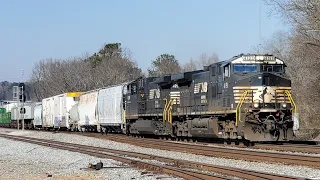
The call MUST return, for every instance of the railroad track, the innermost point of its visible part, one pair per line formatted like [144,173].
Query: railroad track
[303,148]
[242,154]
[175,167]
[290,147]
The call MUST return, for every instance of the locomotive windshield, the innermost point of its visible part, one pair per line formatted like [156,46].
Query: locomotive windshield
[271,68]
[245,68]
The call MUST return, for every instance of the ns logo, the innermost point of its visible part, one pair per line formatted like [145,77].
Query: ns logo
[201,87]
[175,86]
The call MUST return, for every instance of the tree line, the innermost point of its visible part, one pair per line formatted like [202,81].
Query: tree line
[110,65]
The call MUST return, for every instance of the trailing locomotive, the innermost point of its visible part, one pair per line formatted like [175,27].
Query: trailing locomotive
[9,114]
[247,97]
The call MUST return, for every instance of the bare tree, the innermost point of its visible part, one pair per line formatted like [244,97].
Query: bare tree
[111,65]
[278,45]
[205,60]
[190,66]
[304,58]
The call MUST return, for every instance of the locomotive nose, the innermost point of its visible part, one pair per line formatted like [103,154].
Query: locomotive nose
[269,79]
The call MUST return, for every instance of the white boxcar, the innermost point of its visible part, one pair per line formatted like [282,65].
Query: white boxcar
[110,108]
[47,112]
[87,109]
[37,120]
[62,106]
[28,115]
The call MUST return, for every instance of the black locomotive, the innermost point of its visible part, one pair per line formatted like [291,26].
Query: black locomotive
[247,98]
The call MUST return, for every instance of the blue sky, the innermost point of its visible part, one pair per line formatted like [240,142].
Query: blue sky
[35,29]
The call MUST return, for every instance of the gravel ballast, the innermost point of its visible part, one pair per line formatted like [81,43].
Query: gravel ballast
[21,160]
[290,170]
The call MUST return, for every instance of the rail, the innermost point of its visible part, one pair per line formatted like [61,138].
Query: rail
[222,152]
[238,112]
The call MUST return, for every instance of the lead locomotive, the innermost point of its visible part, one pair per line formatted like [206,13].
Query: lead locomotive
[247,97]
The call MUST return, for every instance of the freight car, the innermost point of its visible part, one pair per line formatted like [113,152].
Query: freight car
[5,118]
[55,110]
[101,110]
[245,98]
[11,115]
[27,114]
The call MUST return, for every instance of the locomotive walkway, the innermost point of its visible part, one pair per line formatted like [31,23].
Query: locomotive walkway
[179,168]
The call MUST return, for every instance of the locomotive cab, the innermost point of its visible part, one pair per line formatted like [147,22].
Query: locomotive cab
[262,98]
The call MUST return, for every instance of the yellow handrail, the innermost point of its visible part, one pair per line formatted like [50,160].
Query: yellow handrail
[170,111]
[243,96]
[291,101]
[165,110]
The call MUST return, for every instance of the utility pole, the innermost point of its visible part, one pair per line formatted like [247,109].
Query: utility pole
[22,106]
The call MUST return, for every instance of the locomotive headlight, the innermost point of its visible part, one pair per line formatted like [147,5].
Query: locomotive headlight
[255,105]
[284,105]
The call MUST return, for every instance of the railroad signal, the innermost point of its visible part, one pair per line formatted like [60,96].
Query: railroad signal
[22,96]
[22,110]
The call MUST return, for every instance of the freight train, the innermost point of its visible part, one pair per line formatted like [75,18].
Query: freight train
[247,97]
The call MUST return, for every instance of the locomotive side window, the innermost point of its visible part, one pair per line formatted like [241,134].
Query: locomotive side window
[134,89]
[129,89]
[245,68]
[226,71]
[141,84]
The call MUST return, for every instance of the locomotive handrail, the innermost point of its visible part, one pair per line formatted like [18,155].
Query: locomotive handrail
[243,96]
[165,110]
[167,116]
[291,101]
[170,111]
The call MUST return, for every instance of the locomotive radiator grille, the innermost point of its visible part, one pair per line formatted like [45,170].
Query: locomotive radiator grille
[272,94]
